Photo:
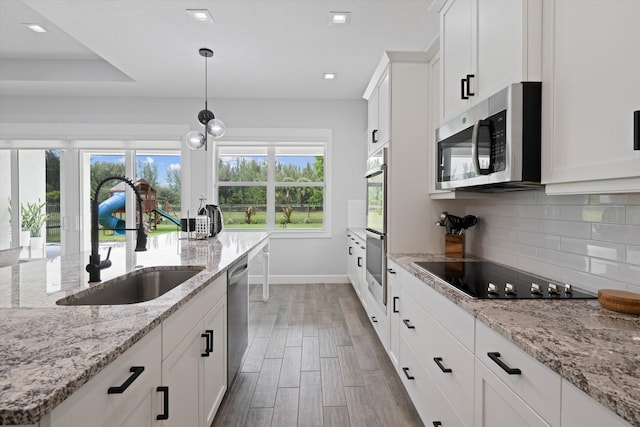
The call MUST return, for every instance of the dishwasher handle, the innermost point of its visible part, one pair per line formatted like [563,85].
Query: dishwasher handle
[237,272]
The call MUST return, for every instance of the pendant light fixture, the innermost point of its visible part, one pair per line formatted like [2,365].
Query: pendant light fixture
[197,140]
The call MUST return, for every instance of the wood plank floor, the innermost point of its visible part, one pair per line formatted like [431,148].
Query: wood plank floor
[314,360]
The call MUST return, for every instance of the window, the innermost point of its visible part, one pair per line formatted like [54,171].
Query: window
[276,186]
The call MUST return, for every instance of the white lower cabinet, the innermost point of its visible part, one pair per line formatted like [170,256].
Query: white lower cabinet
[528,379]
[378,317]
[194,369]
[496,405]
[355,263]
[430,403]
[394,312]
[578,409]
[174,376]
[126,388]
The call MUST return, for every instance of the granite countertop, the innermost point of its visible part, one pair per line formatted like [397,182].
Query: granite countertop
[595,349]
[49,351]
[359,232]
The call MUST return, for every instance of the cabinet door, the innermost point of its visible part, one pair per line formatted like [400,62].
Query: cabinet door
[361,268]
[455,54]
[394,313]
[372,120]
[508,44]
[496,405]
[214,367]
[591,91]
[384,110]
[181,374]
[578,409]
[141,409]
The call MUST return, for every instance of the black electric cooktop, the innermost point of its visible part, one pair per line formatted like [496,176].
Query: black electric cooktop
[487,280]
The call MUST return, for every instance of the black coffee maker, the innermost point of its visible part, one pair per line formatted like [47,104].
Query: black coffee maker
[215,218]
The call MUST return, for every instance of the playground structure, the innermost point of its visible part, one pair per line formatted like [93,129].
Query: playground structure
[115,204]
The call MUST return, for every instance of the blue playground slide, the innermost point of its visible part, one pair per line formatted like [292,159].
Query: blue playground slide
[170,217]
[105,211]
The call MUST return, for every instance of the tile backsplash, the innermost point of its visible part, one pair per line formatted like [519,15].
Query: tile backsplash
[590,241]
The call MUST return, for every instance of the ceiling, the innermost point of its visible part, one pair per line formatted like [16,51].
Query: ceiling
[275,49]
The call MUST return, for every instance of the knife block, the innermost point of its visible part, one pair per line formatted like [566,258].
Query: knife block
[454,245]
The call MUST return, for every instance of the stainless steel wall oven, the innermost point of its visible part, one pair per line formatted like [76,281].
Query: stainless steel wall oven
[376,252]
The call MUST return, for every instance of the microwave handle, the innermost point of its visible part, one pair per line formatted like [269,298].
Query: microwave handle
[475,155]
[474,148]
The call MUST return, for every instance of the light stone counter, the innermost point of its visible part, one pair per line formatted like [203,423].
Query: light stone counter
[595,349]
[49,351]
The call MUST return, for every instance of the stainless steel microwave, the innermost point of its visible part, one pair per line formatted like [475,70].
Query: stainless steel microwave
[495,145]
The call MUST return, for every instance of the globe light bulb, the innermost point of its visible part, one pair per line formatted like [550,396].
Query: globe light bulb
[195,140]
[216,128]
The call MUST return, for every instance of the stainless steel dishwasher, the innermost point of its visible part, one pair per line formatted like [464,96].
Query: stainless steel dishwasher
[237,316]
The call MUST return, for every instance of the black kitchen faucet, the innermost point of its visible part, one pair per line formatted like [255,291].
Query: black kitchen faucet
[95,265]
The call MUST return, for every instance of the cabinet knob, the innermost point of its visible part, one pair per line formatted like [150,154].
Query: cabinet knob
[359,261]
[374,140]
[395,307]
[408,323]
[438,361]
[469,77]
[462,91]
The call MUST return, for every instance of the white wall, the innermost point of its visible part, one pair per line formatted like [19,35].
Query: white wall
[323,258]
[590,241]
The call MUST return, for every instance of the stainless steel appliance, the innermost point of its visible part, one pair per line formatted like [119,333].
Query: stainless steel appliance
[488,280]
[376,243]
[237,316]
[495,145]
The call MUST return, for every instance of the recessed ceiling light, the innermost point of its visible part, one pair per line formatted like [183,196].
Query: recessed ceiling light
[200,15]
[339,18]
[329,76]
[36,28]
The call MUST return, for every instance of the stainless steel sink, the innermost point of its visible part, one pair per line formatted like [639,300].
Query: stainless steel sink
[142,285]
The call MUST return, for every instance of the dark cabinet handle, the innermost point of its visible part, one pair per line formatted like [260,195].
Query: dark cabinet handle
[350,250]
[469,77]
[136,371]
[208,336]
[165,402]
[495,356]
[206,345]
[373,319]
[462,91]
[391,271]
[407,374]
[408,324]
[210,340]
[437,424]
[438,361]
[395,307]
[636,130]
[373,136]
[359,261]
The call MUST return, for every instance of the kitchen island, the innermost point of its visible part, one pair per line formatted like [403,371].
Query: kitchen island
[47,351]
[589,347]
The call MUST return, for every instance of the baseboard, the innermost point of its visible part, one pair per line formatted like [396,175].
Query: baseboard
[294,279]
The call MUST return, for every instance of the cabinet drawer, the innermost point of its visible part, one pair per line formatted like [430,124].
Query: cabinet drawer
[454,319]
[536,384]
[92,405]
[429,402]
[176,326]
[378,319]
[496,405]
[446,360]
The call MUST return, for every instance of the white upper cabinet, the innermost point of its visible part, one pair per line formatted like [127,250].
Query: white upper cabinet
[590,91]
[486,45]
[378,119]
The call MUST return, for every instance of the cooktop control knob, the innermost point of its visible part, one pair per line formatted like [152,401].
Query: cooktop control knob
[554,289]
[510,289]
[568,289]
[536,289]
[492,289]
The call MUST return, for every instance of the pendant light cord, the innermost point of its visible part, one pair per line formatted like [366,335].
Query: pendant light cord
[206,80]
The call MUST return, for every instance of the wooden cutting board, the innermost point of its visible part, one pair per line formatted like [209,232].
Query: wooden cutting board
[620,301]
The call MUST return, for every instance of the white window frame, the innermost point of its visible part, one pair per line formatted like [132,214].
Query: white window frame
[272,138]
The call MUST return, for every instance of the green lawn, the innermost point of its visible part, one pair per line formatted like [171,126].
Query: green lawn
[259,220]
